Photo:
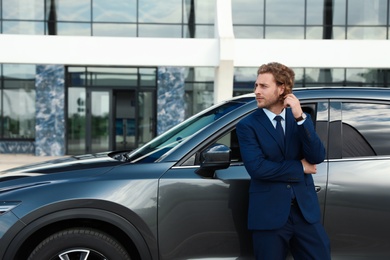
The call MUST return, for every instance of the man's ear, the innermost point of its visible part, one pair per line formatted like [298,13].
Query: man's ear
[282,90]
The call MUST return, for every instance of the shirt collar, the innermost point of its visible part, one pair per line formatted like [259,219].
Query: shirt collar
[271,115]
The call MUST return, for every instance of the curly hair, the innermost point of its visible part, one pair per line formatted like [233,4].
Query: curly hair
[282,74]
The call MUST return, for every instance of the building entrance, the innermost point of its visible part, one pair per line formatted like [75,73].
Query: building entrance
[108,118]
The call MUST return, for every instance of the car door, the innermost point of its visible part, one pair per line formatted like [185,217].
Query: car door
[357,210]
[200,217]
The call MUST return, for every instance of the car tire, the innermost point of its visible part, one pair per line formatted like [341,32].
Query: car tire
[79,243]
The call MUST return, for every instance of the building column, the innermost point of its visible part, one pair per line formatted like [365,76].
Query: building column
[224,73]
[170,98]
[50,111]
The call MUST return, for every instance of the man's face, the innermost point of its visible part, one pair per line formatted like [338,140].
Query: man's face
[267,92]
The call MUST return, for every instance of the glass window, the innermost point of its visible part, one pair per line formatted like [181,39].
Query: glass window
[168,11]
[368,77]
[114,10]
[199,31]
[18,101]
[74,10]
[76,123]
[114,30]
[18,71]
[23,9]
[366,33]
[363,12]
[74,29]
[285,12]
[335,9]
[279,32]
[112,76]
[365,129]
[167,31]
[147,77]
[20,27]
[324,76]
[249,12]
[247,32]
[204,11]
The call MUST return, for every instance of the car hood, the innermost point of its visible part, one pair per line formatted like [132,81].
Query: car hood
[72,163]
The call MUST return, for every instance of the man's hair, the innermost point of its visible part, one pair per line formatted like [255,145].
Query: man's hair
[282,74]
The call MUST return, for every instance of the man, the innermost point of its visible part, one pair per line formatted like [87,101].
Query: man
[284,213]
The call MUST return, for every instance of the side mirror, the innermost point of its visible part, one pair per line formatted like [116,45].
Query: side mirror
[215,157]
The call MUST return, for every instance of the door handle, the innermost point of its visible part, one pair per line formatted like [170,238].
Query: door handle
[317,188]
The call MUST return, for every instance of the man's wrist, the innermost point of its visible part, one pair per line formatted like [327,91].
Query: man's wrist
[302,117]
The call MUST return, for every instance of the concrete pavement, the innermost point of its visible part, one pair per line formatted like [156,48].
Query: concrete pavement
[8,161]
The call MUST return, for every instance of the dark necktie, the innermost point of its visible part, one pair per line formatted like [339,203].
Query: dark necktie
[279,129]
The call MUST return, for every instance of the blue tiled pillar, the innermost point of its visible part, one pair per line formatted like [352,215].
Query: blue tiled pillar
[170,98]
[50,113]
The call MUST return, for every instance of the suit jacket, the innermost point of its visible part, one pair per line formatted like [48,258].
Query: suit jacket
[274,171]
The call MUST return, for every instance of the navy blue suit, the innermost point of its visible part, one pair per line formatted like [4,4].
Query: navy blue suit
[274,170]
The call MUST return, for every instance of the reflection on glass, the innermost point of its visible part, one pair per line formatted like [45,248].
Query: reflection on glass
[371,77]
[282,12]
[114,30]
[75,29]
[279,32]
[147,77]
[74,10]
[316,9]
[178,134]
[204,11]
[114,10]
[19,71]
[100,130]
[166,31]
[112,76]
[23,9]
[76,122]
[363,12]
[248,32]
[201,31]
[20,27]
[125,120]
[146,117]
[324,75]
[19,116]
[168,11]
[371,122]
[248,12]
[366,33]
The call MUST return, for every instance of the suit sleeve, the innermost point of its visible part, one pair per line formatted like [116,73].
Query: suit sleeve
[313,148]
[256,163]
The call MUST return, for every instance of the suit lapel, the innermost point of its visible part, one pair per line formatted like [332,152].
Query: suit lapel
[263,119]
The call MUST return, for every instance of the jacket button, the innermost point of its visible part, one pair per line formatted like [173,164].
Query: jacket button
[288,186]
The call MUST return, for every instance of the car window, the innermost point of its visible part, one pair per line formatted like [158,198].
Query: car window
[365,129]
[156,148]
[317,111]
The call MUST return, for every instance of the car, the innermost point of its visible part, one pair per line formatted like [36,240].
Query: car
[184,195]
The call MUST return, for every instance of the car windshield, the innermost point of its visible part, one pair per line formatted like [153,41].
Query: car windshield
[153,150]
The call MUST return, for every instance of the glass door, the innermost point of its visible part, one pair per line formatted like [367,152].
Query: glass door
[146,116]
[99,121]
[125,120]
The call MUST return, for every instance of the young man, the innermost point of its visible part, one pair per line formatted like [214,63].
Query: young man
[284,213]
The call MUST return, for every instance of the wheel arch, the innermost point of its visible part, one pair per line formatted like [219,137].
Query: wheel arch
[113,219]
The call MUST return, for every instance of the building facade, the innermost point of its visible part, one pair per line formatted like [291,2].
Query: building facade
[89,76]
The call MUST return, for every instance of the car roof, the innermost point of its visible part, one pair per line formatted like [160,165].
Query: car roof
[331,92]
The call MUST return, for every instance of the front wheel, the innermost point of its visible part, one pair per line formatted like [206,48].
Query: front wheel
[80,244]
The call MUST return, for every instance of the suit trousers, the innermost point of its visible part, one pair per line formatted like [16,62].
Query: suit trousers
[302,239]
